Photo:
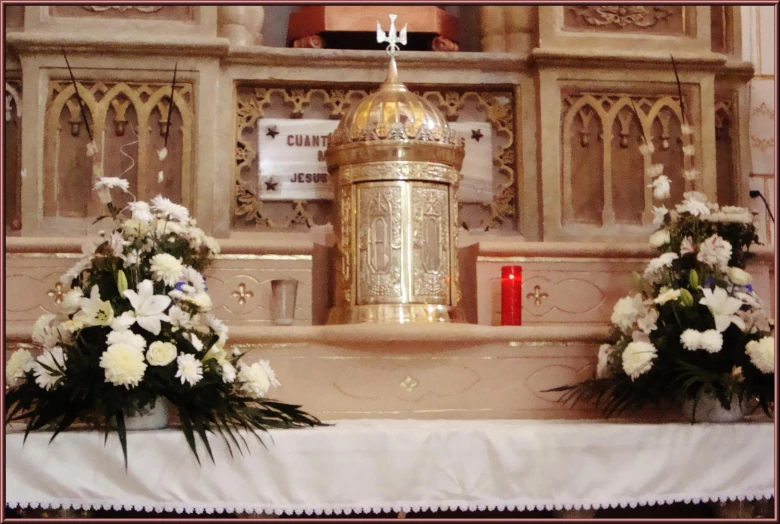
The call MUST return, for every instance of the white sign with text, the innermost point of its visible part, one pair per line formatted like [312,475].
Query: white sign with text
[291,156]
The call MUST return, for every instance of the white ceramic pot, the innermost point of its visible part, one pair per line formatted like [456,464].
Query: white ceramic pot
[154,418]
[709,409]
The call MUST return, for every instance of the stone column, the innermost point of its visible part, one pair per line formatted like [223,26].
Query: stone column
[231,20]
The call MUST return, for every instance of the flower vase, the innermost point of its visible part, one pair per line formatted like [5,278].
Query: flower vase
[709,409]
[154,417]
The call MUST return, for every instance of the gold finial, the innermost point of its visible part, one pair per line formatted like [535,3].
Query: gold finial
[393,38]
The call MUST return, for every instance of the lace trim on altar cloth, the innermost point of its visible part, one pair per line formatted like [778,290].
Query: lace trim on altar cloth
[395,508]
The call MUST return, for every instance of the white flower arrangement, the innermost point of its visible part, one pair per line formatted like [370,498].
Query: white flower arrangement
[694,325]
[139,328]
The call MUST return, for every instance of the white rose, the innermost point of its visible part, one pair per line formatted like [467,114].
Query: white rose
[161,353]
[638,358]
[762,354]
[124,365]
[739,277]
[660,238]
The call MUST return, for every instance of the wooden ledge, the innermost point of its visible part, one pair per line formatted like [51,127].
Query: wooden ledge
[24,42]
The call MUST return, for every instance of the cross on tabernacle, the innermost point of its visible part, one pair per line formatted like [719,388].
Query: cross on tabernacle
[391,37]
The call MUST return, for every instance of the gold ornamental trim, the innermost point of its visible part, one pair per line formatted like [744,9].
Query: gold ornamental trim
[398,171]
[395,314]
[411,151]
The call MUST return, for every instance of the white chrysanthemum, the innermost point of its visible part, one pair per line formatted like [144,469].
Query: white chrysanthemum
[666,296]
[53,359]
[141,211]
[660,238]
[686,246]
[647,148]
[655,170]
[754,319]
[212,244]
[638,358]
[194,278]
[161,353]
[105,184]
[715,252]
[166,227]
[689,150]
[70,301]
[133,258]
[200,300]
[762,354]
[626,311]
[124,365]
[167,268]
[711,341]
[739,277]
[659,213]
[661,187]
[135,228]
[127,338]
[647,322]
[257,379]
[44,333]
[691,339]
[228,373]
[190,369]
[723,308]
[20,363]
[603,365]
[123,321]
[751,298]
[169,209]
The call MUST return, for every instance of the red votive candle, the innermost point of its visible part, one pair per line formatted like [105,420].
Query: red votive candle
[511,295]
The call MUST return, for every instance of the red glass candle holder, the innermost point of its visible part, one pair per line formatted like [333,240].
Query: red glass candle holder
[511,295]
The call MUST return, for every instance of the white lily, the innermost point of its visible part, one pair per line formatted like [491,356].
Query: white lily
[148,307]
[94,310]
[723,308]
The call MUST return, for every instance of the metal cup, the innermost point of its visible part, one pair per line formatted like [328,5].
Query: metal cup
[283,294]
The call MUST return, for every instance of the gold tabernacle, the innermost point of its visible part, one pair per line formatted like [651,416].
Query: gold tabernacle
[397,164]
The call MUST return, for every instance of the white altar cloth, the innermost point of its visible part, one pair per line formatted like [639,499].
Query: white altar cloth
[400,465]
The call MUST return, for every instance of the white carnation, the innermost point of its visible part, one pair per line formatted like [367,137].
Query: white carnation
[739,276]
[180,318]
[647,323]
[257,379]
[660,238]
[638,358]
[20,363]
[762,354]
[626,311]
[691,339]
[105,184]
[53,359]
[715,252]
[127,338]
[190,369]
[711,341]
[161,353]
[694,207]
[199,300]
[140,211]
[167,268]
[123,364]
[70,301]
[657,264]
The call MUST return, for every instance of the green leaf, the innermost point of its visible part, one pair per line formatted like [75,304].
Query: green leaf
[121,431]
[121,281]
